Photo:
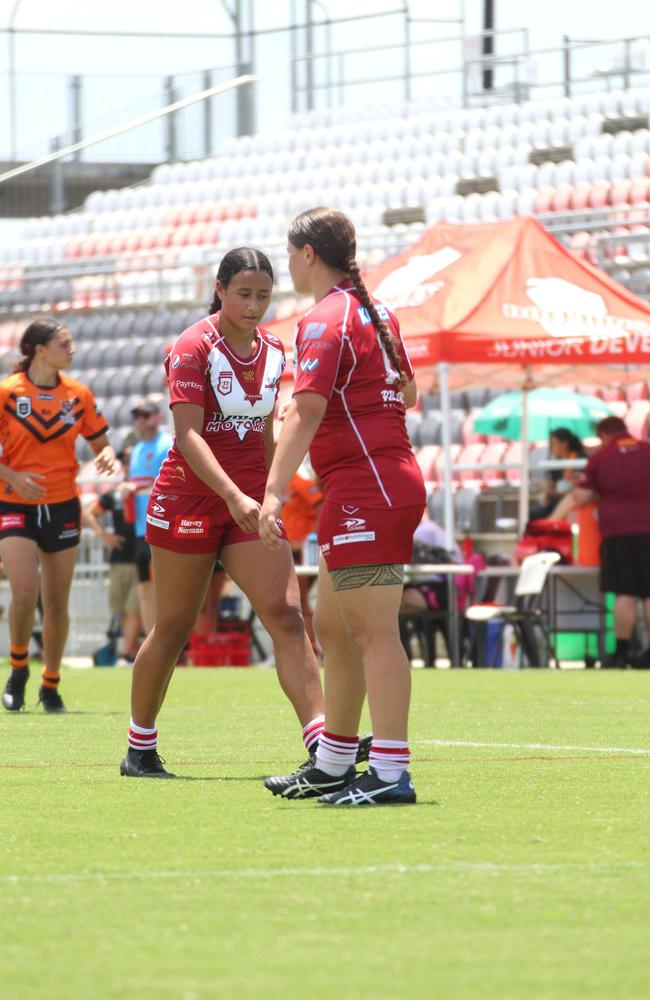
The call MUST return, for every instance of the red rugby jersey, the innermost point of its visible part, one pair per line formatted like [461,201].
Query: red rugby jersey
[238,395]
[361,451]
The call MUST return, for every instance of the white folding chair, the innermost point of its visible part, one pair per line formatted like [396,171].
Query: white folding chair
[525,615]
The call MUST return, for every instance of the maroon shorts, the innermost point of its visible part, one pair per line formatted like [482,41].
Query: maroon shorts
[362,536]
[197,524]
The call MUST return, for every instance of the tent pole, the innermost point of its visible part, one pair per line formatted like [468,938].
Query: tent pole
[524,489]
[445,409]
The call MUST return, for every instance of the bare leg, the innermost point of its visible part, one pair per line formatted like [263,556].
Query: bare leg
[268,579]
[57,571]
[624,616]
[147,597]
[181,581]
[345,686]
[646,613]
[131,626]
[20,560]
[369,599]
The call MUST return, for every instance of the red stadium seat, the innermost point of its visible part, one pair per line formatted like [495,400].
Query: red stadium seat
[470,453]
[468,434]
[513,455]
[561,200]
[620,192]
[614,394]
[426,457]
[599,194]
[493,453]
[543,200]
[440,462]
[636,391]
[640,192]
[580,196]
[636,418]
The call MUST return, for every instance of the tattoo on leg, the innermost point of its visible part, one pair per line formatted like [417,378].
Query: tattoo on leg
[353,577]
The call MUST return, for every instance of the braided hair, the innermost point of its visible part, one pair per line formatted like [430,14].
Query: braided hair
[331,235]
[40,331]
[239,259]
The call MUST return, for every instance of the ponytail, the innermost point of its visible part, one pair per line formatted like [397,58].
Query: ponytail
[384,333]
[331,235]
[40,331]
[215,305]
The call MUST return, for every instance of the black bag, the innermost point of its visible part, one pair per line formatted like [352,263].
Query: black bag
[423,553]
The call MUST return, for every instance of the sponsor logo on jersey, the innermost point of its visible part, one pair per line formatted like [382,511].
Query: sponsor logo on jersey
[325,548]
[44,395]
[353,523]
[309,364]
[224,383]
[360,536]
[183,384]
[248,375]
[392,396]
[23,406]
[191,526]
[364,315]
[66,415]
[314,331]
[348,510]
[157,522]
[179,472]
[157,508]
[12,521]
[176,362]
[241,425]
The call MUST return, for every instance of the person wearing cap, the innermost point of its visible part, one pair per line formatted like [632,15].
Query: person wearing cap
[147,456]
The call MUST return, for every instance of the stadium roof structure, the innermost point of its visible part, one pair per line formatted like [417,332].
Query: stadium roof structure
[498,297]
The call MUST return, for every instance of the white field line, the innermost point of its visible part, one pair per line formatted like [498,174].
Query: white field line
[640,751]
[460,867]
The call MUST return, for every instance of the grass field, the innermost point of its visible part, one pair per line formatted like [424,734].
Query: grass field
[523,872]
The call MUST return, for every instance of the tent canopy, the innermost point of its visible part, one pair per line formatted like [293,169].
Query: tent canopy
[493,297]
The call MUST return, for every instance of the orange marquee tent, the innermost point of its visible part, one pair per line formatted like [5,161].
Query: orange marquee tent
[508,294]
[490,302]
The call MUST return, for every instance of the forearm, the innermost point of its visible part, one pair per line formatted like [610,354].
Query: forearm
[203,464]
[91,522]
[297,433]
[6,473]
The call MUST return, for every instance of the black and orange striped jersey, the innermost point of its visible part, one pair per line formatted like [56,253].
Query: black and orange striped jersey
[39,427]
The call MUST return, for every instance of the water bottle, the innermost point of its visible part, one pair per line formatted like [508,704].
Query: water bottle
[312,553]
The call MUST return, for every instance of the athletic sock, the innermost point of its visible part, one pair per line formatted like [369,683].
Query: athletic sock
[50,679]
[18,656]
[141,738]
[622,647]
[389,758]
[336,754]
[312,731]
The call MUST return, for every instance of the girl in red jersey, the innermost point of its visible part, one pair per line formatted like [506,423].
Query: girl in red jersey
[353,382]
[42,413]
[223,373]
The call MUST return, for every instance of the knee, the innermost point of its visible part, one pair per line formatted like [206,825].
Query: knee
[23,600]
[284,619]
[172,634]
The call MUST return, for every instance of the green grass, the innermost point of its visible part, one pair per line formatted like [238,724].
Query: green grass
[523,872]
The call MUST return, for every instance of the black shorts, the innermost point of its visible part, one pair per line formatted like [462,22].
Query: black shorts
[625,565]
[53,526]
[143,560]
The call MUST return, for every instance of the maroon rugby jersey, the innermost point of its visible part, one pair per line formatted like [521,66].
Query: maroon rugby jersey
[361,451]
[238,395]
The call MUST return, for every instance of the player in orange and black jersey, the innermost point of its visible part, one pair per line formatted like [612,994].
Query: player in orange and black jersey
[42,413]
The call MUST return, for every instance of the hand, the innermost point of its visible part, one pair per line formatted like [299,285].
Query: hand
[113,541]
[269,529]
[105,461]
[282,410]
[245,511]
[26,484]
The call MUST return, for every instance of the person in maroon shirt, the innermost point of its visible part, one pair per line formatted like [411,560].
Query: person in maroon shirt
[353,382]
[618,477]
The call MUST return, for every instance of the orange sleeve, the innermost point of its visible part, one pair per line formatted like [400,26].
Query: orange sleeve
[94,424]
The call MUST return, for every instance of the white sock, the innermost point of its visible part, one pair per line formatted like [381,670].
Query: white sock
[141,738]
[312,731]
[336,754]
[389,758]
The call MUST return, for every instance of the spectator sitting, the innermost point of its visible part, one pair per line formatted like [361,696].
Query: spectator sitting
[563,445]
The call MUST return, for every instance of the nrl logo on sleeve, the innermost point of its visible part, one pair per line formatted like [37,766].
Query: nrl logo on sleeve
[23,406]
[224,383]
[314,331]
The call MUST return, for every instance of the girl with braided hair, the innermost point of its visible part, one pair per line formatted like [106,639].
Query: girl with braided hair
[353,382]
